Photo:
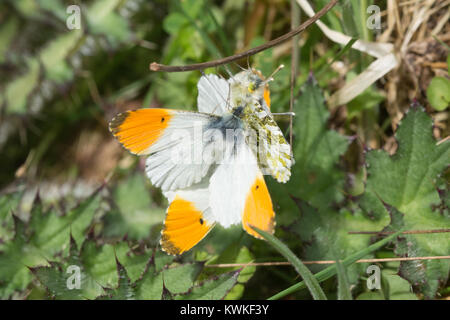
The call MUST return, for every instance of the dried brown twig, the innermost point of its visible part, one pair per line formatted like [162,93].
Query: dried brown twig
[154,66]
[271,264]
[383,233]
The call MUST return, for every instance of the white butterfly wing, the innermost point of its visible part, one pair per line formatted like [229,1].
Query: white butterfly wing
[172,139]
[213,94]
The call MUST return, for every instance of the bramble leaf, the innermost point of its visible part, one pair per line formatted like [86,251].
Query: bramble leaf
[406,183]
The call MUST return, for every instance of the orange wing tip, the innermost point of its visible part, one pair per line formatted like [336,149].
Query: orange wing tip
[267,96]
[258,209]
[138,130]
[184,227]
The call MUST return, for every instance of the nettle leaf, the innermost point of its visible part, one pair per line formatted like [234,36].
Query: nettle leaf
[8,203]
[45,237]
[174,282]
[216,288]
[135,214]
[406,183]
[315,176]
[68,280]
[167,283]
[99,269]
[393,287]
[325,234]
[234,253]
[124,290]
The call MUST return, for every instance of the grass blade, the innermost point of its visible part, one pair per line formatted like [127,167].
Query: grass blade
[331,271]
[343,285]
[311,282]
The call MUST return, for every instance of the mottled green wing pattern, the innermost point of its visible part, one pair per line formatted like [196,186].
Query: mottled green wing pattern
[273,151]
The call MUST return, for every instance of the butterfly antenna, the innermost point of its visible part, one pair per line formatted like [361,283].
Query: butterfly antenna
[239,66]
[228,71]
[270,78]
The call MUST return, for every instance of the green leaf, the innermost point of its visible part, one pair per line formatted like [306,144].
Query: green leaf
[397,288]
[135,215]
[315,177]
[438,93]
[60,278]
[325,232]
[103,19]
[100,269]
[311,282]
[8,203]
[214,289]
[180,279]
[17,92]
[332,270]
[174,22]
[55,54]
[405,182]
[46,236]
[178,282]
[7,33]
[124,290]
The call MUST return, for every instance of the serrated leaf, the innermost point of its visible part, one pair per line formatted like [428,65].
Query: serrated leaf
[44,237]
[68,280]
[180,279]
[150,287]
[8,203]
[108,267]
[315,177]
[234,253]
[124,290]
[325,233]
[51,232]
[406,182]
[398,289]
[213,289]
[331,270]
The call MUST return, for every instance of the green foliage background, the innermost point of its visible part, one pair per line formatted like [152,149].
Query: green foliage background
[71,196]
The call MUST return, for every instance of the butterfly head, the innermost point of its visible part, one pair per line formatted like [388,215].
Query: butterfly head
[249,84]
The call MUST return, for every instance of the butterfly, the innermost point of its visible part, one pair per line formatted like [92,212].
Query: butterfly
[209,163]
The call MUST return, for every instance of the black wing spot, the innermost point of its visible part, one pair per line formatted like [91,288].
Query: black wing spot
[257,187]
[201,221]
[162,119]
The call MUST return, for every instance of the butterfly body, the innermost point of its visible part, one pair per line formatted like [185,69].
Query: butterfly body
[208,164]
